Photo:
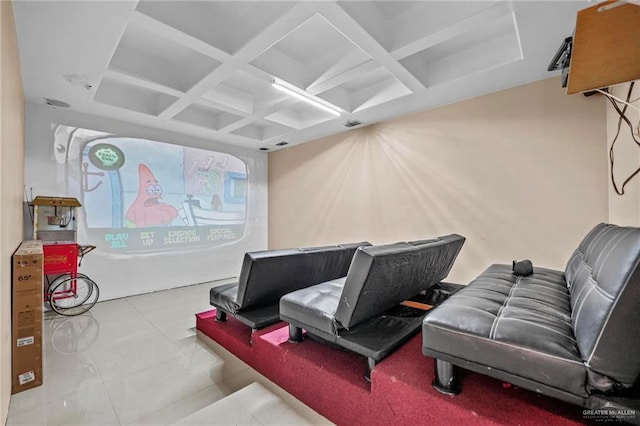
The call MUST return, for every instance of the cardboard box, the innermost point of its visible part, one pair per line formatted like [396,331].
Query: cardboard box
[26,338]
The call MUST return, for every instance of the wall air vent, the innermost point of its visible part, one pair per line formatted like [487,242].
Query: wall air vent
[283,143]
[352,123]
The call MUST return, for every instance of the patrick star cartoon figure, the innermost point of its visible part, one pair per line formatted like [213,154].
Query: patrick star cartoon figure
[147,210]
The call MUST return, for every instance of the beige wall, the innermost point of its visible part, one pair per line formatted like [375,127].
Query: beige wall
[520,173]
[624,209]
[11,183]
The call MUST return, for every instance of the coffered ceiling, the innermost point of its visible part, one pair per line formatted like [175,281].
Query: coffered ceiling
[206,68]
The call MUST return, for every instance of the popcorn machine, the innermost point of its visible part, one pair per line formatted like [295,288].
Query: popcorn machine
[54,222]
[54,218]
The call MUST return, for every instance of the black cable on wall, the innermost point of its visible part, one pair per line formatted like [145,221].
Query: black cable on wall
[622,117]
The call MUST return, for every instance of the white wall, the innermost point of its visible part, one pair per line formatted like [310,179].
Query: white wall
[11,165]
[521,173]
[128,274]
[624,209]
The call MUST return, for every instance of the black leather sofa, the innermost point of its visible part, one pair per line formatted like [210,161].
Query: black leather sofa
[267,275]
[572,334]
[360,311]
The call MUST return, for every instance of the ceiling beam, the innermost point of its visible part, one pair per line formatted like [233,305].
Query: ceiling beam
[452,31]
[270,36]
[329,83]
[160,28]
[344,23]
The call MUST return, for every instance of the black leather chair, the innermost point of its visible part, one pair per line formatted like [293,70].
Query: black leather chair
[572,334]
[359,311]
[269,274]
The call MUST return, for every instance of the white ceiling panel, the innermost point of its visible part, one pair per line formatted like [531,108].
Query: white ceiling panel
[208,117]
[227,25]
[300,116]
[396,24]
[261,130]
[131,97]
[314,50]
[206,68]
[483,47]
[160,60]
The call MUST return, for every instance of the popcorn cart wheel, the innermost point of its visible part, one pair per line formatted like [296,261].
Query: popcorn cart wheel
[70,293]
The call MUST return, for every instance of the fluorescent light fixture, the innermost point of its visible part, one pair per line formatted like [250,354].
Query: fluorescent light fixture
[305,98]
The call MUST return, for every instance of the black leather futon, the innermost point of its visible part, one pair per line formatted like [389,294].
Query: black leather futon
[572,334]
[269,274]
[359,311]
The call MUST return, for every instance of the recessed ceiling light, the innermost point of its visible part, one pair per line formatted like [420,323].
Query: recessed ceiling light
[283,143]
[264,148]
[56,103]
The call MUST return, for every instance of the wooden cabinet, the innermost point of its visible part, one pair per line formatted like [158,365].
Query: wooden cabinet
[606,46]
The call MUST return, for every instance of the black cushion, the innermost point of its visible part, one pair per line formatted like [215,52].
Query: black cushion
[267,275]
[516,324]
[604,283]
[382,276]
[379,278]
[571,332]
[315,306]
[224,296]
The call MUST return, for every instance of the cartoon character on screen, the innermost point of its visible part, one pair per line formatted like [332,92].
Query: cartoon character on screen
[147,210]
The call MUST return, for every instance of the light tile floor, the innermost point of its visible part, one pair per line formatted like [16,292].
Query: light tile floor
[140,361]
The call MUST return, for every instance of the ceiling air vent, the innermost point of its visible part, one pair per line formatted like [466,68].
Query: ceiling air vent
[56,103]
[352,123]
[283,143]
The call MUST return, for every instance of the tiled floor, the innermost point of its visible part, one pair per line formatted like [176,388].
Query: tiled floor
[139,361]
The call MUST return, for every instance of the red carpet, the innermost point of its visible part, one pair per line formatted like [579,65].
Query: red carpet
[332,383]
